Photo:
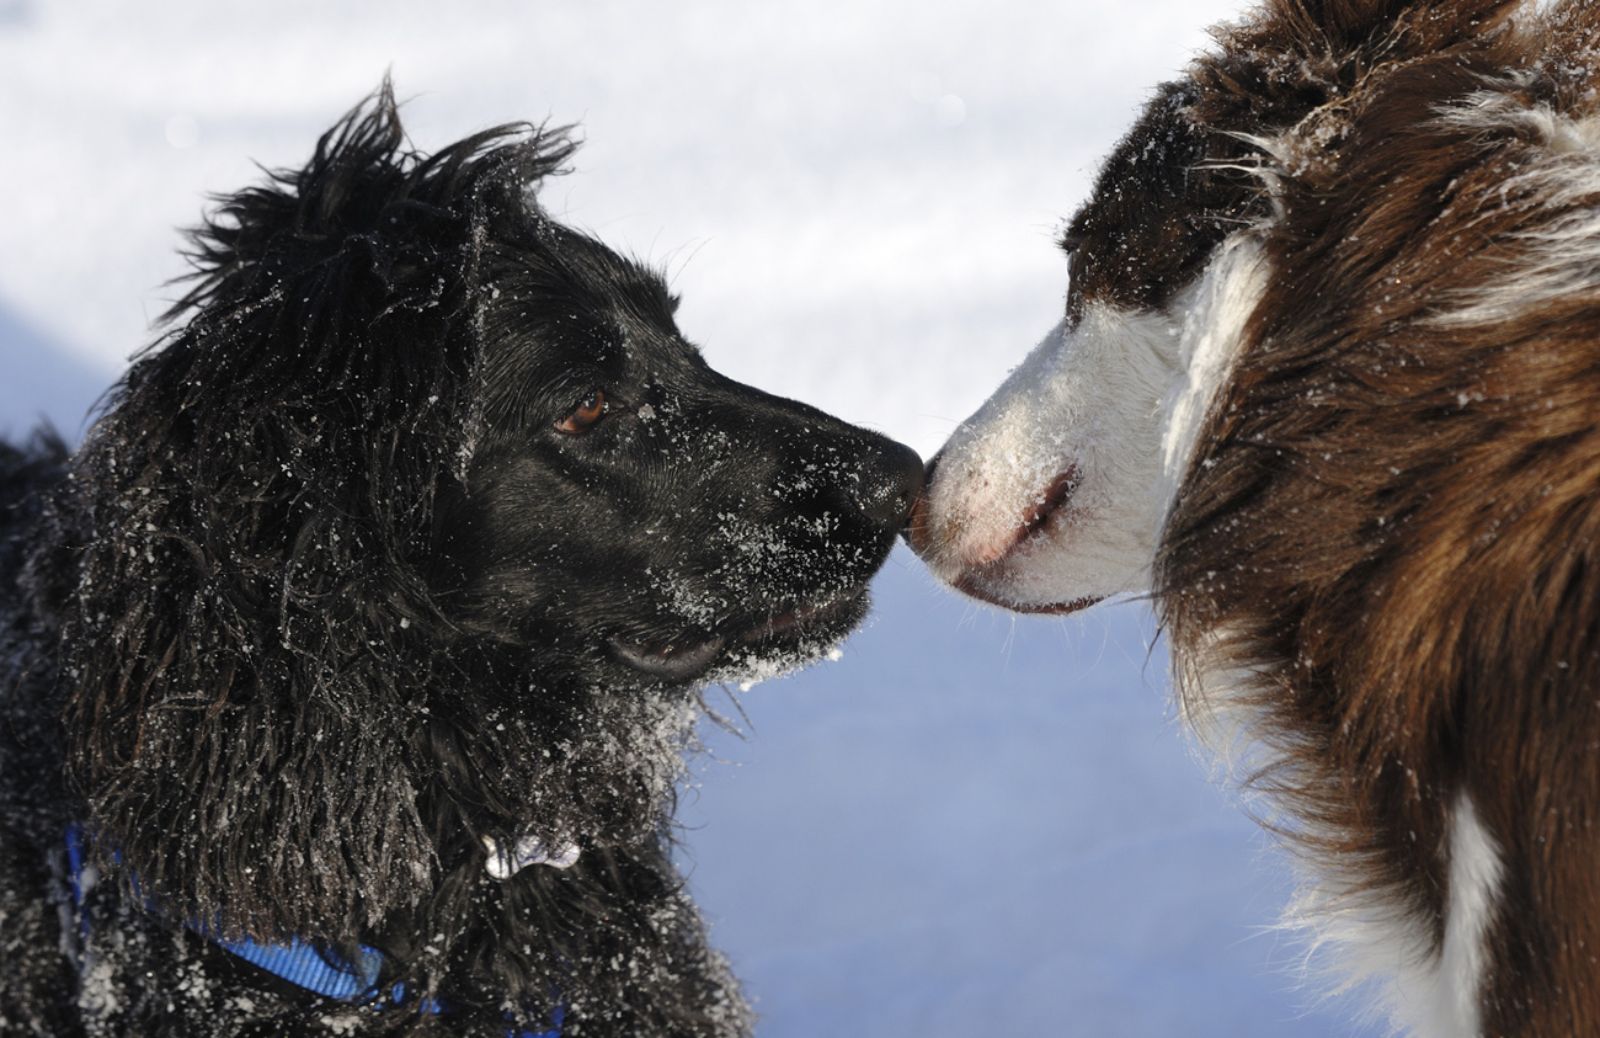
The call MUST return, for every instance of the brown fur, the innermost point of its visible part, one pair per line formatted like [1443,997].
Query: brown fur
[1170,193]
[1393,522]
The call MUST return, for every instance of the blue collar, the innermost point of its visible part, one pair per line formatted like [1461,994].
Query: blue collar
[307,966]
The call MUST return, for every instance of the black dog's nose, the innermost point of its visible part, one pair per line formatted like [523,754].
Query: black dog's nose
[894,481]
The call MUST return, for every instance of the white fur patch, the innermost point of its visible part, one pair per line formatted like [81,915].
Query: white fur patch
[1117,400]
[1496,111]
[1447,994]
[1558,259]
[1364,937]
[1218,311]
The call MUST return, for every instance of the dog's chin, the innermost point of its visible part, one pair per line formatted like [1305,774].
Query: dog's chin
[1020,580]
[997,594]
[783,640]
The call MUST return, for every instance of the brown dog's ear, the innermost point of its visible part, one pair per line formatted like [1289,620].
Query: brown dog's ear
[1395,29]
[1291,57]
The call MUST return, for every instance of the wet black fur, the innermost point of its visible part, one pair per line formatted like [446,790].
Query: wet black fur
[325,597]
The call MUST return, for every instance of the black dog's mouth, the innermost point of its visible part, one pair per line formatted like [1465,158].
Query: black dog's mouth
[811,624]
[671,662]
[808,618]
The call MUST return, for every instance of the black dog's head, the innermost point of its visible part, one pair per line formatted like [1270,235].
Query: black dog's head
[625,503]
[417,529]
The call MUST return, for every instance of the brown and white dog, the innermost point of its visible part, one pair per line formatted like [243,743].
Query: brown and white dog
[1328,386]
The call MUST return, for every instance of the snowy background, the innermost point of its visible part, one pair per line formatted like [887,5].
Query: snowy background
[972,824]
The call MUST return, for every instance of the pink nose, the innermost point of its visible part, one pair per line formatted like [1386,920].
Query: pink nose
[1035,516]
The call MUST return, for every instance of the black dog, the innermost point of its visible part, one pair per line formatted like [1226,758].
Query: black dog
[347,666]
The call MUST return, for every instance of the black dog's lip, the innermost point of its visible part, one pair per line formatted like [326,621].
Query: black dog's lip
[803,615]
[672,662]
[686,660]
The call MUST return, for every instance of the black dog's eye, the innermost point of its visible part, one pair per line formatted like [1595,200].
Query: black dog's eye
[584,417]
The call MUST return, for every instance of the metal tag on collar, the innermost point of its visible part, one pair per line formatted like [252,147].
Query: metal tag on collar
[505,862]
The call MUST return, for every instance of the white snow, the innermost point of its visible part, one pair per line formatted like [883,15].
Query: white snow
[969,825]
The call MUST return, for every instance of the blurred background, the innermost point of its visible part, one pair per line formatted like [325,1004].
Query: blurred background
[972,824]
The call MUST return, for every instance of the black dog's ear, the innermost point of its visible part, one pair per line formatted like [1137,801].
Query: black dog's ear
[252,633]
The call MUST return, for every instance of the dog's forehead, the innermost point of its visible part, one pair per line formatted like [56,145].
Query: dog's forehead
[564,279]
[608,284]
[591,318]
[1158,208]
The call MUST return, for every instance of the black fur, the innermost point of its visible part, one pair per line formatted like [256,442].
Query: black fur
[326,597]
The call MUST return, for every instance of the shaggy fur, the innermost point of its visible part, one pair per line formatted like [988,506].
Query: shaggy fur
[420,527]
[1380,557]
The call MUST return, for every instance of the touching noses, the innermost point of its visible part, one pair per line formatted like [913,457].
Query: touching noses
[915,528]
[891,484]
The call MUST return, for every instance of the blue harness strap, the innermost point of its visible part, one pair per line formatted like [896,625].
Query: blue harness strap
[307,967]
[304,965]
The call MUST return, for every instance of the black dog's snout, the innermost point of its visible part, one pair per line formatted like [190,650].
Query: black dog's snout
[893,481]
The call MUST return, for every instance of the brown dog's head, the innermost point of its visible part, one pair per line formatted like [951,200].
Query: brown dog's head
[1254,206]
